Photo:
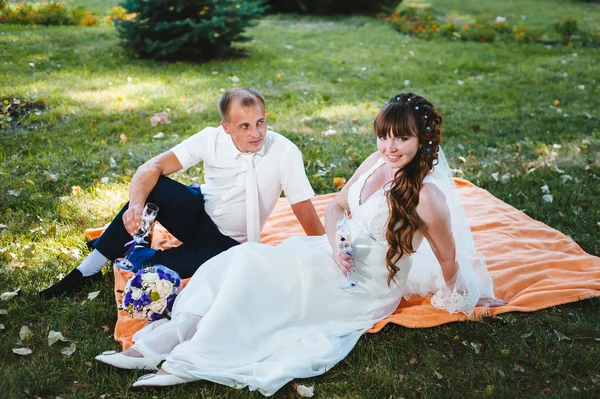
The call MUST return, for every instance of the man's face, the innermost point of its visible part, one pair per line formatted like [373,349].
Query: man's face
[247,126]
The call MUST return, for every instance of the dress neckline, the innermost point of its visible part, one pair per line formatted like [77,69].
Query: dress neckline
[368,174]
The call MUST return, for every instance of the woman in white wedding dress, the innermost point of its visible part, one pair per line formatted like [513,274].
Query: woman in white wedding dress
[260,315]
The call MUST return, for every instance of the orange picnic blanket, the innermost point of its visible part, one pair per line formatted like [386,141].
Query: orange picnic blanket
[533,266]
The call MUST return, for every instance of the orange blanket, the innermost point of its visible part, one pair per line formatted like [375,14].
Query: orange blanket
[533,266]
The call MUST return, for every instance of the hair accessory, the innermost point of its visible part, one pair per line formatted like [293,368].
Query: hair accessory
[416,107]
[398,98]
[425,116]
[428,149]
[408,99]
[428,127]
[430,143]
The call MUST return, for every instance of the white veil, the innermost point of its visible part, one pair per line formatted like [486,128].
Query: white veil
[472,280]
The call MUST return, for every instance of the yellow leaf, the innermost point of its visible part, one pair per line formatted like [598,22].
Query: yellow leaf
[75,190]
[123,138]
[368,105]
[64,214]
[339,182]
[28,181]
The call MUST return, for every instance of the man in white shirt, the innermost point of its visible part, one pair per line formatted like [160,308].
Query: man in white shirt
[246,167]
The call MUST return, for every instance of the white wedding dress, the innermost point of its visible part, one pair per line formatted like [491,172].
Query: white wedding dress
[260,315]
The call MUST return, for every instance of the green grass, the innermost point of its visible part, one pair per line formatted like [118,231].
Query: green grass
[316,74]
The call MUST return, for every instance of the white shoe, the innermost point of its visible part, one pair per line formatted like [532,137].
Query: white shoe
[157,380]
[121,361]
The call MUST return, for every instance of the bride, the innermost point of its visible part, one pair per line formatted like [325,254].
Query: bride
[260,315]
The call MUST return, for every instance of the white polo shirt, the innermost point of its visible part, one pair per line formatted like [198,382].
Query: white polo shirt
[278,165]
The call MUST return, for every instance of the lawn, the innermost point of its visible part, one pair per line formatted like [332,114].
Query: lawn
[517,117]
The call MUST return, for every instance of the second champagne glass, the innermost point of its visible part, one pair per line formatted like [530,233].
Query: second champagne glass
[142,237]
[344,240]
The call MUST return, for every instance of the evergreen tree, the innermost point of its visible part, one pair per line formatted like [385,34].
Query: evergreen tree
[186,29]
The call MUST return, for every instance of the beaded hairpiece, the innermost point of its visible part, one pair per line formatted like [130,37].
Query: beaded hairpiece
[423,110]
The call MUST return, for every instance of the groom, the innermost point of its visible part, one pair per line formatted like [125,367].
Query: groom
[245,169]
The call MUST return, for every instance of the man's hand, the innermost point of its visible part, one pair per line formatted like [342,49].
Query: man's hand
[132,219]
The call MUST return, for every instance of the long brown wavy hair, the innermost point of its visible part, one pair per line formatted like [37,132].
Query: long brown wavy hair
[408,114]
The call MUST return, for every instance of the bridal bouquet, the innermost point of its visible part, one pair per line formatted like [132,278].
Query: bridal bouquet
[150,293]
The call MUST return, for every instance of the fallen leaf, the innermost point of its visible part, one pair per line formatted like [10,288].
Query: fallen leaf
[495,176]
[2,327]
[29,181]
[28,251]
[476,347]
[506,176]
[14,193]
[123,138]
[22,351]
[234,79]
[25,333]
[69,350]
[159,135]
[75,190]
[545,189]
[561,336]
[304,391]
[339,182]
[3,311]
[105,329]
[413,360]
[93,295]
[438,375]
[64,214]
[50,176]
[518,367]
[161,117]
[74,254]
[329,132]
[55,336]
[9,295]
[556,103]
[505,352]
[547,198]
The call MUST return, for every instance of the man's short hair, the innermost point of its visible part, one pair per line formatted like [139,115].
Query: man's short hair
[247,97]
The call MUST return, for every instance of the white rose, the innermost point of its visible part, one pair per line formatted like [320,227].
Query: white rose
[149,277]
[158,306]
[136,293]
[164,288]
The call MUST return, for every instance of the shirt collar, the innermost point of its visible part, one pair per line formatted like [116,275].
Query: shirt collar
[236,153]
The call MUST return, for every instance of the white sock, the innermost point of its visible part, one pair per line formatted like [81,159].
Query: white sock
[92,264]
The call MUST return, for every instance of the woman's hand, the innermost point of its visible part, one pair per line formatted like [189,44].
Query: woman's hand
[491,302]
[132,219]
[343,261]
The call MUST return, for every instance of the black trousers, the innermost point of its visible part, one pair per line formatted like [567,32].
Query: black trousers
[181,211]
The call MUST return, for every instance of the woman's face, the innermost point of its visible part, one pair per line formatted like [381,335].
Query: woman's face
[398,151]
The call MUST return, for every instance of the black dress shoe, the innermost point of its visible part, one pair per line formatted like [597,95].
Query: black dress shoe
[69,284]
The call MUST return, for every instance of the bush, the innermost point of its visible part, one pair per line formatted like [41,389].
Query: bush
[45,13]
[566,28]
[329,7]
[186,29]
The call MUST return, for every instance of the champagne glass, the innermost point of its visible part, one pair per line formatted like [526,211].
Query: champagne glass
[344,240]
[142,238]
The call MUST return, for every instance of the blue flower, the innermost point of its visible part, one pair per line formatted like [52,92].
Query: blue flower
[170,301]
[136,281]
[128,298]
[145,298]
[156,316]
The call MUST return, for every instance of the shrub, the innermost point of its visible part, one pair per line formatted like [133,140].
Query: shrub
[566,28]
[186,29]
[330,7]
[46,13]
